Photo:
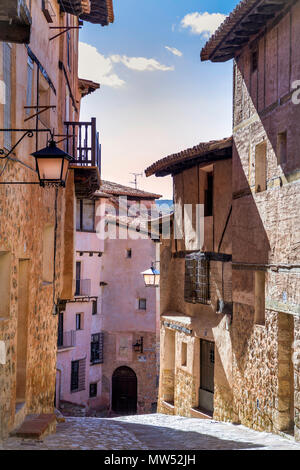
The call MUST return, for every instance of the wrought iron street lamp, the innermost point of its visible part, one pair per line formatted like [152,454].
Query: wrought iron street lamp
[151,277]
[52,165]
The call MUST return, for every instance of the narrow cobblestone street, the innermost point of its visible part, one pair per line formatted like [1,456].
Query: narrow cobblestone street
[152,432]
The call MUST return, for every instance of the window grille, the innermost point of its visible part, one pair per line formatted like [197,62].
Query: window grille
[196,289]
[97,349]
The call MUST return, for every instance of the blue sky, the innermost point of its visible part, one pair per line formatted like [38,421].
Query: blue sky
[155,101]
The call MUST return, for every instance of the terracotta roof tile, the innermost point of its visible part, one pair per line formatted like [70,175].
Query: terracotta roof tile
[165,165]
[218,49]
[101,12]
[109,188]
[87,87]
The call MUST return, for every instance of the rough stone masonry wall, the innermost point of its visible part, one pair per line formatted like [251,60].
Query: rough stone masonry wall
[185,392]
[24,212]
[144,369]
[297,377]
[266,230]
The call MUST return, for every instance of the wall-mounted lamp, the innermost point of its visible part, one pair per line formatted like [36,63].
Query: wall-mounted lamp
[139,346]
[152,276]
[52,164]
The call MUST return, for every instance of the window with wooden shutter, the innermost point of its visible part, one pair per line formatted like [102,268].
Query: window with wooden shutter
[29,84]
[97,349]
[196,288]
[85,215]
[7,104]
[78,372]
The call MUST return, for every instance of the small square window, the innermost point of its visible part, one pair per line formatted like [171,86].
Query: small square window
[142,304]
[79,322]
[183,354]
[93,390]
[95,307]
[129,253]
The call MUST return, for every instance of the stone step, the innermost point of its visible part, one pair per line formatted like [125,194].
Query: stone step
[201,413]
[36,426]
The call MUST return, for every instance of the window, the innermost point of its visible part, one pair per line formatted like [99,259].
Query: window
[184,354]
[94,307]
[97,349]
[93,390]
[208,198]
[129,253]
[5,266]
[29,84]
[68,36]
[196,287]
[142,304]
[78,370]
[67,104]
[7,59]
[79,322]
[48,253]
[282,148]
[60,336]
[261,167]
[85,217]
[78,277]
[254,61]
[260,280]
[44,100]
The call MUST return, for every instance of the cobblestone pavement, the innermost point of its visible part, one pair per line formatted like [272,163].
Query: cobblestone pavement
[152,432]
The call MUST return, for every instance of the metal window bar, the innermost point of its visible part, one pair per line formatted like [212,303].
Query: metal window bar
[197,287]
[97,342]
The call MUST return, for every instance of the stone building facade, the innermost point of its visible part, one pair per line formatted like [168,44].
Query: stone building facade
[112,310]
[263,41]
[39,91]
[195,285]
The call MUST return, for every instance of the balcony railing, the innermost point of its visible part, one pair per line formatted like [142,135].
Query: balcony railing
[83,288]
[15,21]
[82,142]
[66,339]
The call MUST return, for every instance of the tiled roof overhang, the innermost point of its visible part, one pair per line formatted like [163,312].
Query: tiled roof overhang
[94,11]
[247,20]
[75,7]
[101,12]
[114,189]
[204,153]
[86,87]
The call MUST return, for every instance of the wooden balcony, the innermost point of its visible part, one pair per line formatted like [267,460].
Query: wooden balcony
[82,143]
[15,21]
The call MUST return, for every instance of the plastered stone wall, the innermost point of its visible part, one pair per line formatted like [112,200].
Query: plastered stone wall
[266,232]
[25,211]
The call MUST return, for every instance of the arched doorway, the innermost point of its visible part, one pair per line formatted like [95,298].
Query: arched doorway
[124,391]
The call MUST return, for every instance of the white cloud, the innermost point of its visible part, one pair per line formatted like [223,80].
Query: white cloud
[203,23]
[174,51]
[95,66]
[140,64]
